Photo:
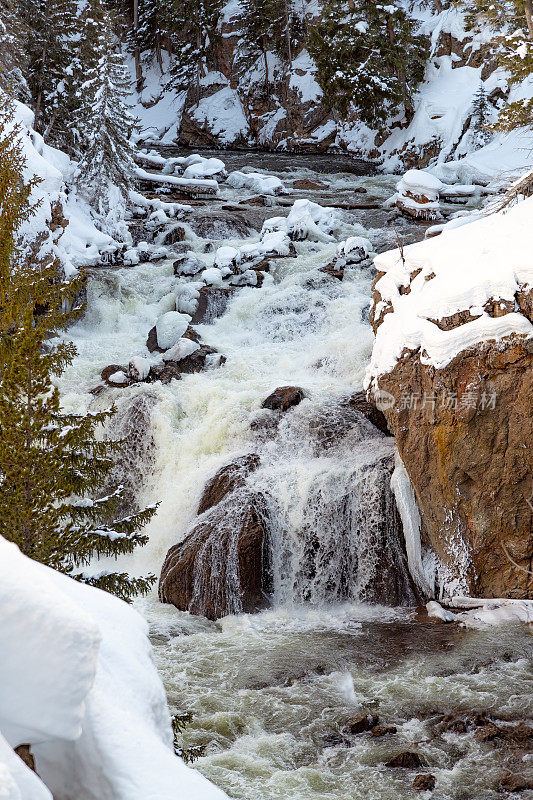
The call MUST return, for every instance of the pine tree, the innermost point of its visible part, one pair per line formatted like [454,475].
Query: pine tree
[368,57]
[265,23]
[52,466]
[193,31]
[12,51]
[52,48]
[149,32]
[480,119]
[106,121]
[512,21]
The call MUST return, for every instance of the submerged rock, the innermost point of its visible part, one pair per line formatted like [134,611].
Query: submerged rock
[226,480]
[406,760]
[512,782]
[424,783]
[362,723]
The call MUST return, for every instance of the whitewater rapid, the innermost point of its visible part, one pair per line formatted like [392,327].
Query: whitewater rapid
[271,692]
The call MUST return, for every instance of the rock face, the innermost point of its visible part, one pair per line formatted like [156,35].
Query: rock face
[465,435]
[221,566]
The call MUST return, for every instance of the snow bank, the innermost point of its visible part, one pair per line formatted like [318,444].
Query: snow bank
[80,243]
[461,270]
[256,182]
[476,612]
[77,683]
[222,114]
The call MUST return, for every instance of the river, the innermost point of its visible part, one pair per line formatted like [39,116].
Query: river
[271,693]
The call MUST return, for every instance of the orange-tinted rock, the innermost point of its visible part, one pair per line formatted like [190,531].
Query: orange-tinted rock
[406,760]
[226,480]
[424,783]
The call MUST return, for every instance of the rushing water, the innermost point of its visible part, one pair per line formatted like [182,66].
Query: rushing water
[271,693]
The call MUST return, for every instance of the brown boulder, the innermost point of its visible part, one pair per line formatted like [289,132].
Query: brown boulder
[283,398]
[110,370]
[305,183]
[487,732]
[406,760]
[212,303]
[173,370]
[384,730]
[512,782]
[424,783]
[221,567]
[362,723]
[226,480]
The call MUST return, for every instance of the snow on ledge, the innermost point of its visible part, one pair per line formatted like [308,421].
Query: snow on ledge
[461,270]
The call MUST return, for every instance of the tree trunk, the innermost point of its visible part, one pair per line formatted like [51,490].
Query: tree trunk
[288,30]
[267,81]
[528,8]
[136,52]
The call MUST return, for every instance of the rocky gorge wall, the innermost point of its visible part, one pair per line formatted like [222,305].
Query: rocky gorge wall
[465,435]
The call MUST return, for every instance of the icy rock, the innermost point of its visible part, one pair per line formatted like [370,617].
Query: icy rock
[306,220]
[248,278]
[435,609]
[212,276]
[227,256]
[119,378]
[170,327]
[166,303]
[283,398]
[354,249]
[256,182]
[131,257]
[139,368]
[182,349]
[159,253]
[187,300]
[418,194]
[188,265]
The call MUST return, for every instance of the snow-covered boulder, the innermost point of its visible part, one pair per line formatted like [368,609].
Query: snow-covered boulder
[353,250]
[256,182]
[227,256]
[213,276]
[306,220]
[138,368]
[418,194]
[170,327]
[206,168]
[182,349]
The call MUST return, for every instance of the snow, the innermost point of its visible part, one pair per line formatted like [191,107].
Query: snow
[200,186]
[78,683]
[139,368]
[435,609]
[306,220]
[205,169]
[223,115]
[460,270]
[305,84]
[182,349]
[119,378]
[170,327]
[473,612]
[419,182]
[354,249]
[256,182]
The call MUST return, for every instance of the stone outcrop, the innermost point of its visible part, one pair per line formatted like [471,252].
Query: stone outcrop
[283,398]
[465,435]
[221,566]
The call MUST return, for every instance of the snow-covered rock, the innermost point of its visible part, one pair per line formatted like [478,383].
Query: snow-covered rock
[182,349]
[256,182]
[418,194]
[354,250]
[170,327]
[139,368]
[306,220]
[212,276]
[118,378]
[206,168]
[435,609]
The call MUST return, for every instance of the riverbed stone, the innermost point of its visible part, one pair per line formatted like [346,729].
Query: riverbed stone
[362,723]
[424,782]
[405,760]
[283,398]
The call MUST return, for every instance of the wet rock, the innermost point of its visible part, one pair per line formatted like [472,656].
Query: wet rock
[487,732]
[226,480]
[283,398]
[406,760]
[384,730]
[519,734]
[212,303]
[173,370]
[221,567]
[305,183]
[512,782]
[361,723]
[111,370]
[151,342]
[424,783]
[360,402]
[333,272]
[220,224]
[175,234]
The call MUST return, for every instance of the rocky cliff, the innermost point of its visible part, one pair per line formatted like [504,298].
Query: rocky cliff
[453,371]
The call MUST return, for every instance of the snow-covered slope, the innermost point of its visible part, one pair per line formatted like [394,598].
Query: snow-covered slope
[78,684]
[75,239]
[462,270]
